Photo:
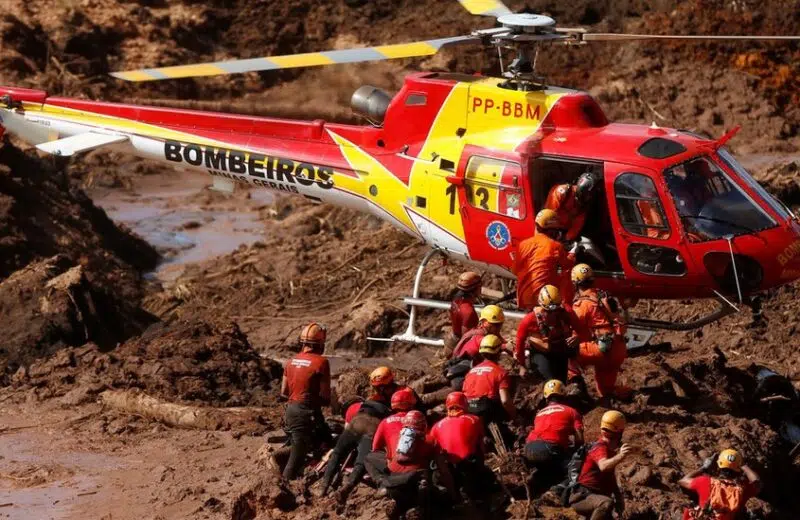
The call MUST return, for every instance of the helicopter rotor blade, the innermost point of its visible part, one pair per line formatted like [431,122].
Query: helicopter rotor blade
[610,37]
[485,7]
[310,59]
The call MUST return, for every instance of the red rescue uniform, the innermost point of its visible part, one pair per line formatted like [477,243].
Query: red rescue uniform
[388,433]
[304,376]
[459,437]
[596,481]
[420,459]
[555,327]
[539,261]
[486,380]
[556,423]
[702,486]
[562,200]
[470,343]
[462,315]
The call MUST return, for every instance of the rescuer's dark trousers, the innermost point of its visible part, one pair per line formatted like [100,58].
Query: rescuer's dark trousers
[549,460]
[347,442]
[550,366]
[377,467]
[473,477]
[300,424]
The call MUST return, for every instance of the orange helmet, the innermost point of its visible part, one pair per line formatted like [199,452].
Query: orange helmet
[313,334]
[404,400]
[548,219]
[381,376]
[416,421]
[456,403]
[469,281]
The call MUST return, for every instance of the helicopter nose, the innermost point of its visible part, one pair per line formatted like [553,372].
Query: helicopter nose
[788,258]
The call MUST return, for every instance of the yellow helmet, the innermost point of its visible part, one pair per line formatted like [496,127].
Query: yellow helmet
[493,314]
[554,386]
[490,344]
[548,219]
[549,297]
[582,273]
[613,421]
[730,459]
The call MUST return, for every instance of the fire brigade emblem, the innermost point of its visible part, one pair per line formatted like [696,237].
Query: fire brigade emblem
[498,235]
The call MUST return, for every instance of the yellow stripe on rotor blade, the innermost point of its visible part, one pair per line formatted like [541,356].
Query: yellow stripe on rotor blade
[407,50]
[309,59]
[133,75]
[191,71]
[485,7]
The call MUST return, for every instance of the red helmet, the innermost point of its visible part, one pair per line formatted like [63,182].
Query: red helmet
[456,402]
[404,400]
[416,421]
[313,334]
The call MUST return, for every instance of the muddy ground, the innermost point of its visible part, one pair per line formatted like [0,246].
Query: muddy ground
[199,305]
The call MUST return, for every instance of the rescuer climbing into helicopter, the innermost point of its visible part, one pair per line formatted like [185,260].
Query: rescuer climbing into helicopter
[601,330]
[571,203]
[542,260]
[546,338]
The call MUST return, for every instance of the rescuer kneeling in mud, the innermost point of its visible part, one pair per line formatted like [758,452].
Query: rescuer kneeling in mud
[460,438]
[601,329]
[462,308]
[307,384]
[557,430]
[722,497]
[491,321]
[410,481]
[488,389]
[359,432]
[542,260]
[547,336]
[388,434]
[597,494]
[571,202]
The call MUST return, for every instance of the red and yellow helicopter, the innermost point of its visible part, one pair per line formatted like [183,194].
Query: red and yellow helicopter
[464,162]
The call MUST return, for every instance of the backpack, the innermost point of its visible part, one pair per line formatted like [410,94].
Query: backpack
[574,467]
[725,496]
[406,445]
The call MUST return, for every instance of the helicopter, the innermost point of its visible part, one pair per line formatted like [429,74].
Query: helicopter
[464,162]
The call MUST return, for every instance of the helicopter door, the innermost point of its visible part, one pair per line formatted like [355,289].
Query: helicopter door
[494,209]
[648,244]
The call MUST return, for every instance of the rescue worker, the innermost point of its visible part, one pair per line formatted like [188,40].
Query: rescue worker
[571,203]
[557,430]
[601,328]
[462,309]
[359,432]
[488,389]
[725,496]
[409,481]
[547,335]
[597,494]
[307,385]
[460,438]
[387,435]
[542,260]
[491,321]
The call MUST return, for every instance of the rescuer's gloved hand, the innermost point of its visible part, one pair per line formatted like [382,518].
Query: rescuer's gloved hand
[709,462]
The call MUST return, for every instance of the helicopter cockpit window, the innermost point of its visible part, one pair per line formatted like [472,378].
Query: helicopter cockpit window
[639,208]
[710,205]
[493,185]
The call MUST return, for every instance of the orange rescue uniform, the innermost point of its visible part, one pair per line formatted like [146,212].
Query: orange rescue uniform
[593,320]
[562,200]
[539,261]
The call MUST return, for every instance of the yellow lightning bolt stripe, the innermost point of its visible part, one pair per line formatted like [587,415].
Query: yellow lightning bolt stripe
[301,60]
[392,194]
[493,7]
[406,50]
[119,124]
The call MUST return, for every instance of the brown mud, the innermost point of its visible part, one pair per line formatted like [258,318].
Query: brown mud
[79,316]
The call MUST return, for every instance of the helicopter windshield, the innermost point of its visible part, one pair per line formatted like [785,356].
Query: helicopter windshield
[711,206]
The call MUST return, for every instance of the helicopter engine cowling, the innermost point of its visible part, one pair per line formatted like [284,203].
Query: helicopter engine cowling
[371,102]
